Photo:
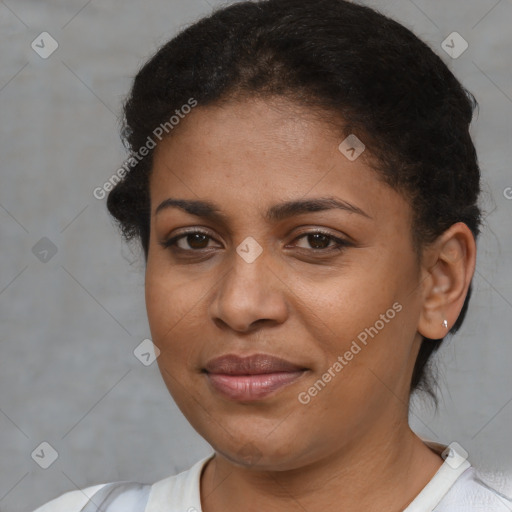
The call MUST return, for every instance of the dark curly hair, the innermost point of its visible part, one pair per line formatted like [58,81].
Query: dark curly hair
[343,59]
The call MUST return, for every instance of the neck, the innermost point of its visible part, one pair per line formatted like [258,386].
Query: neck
[382,473]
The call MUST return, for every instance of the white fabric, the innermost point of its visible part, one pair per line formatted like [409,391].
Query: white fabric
[120,497]
[71,501]
[454,488]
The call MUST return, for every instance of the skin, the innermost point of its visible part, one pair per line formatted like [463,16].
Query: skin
[298,303]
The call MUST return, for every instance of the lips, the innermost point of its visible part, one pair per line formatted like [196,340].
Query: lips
[251,378]
[257,364]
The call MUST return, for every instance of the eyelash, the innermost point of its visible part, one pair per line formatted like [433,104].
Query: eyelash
[340,243]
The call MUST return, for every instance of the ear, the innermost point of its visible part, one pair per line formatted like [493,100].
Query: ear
[447,269]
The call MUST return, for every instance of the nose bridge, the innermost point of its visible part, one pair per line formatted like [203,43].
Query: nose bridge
[249,291]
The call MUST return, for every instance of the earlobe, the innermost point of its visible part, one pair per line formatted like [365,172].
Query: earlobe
[449,270]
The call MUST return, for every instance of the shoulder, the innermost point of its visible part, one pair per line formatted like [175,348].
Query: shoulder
[476,491]
[182,489]
[72,501]
[113,497]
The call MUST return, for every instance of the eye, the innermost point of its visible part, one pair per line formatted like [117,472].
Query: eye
[320,241]
[196,240]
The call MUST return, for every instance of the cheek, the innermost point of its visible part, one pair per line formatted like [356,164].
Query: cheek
[162,303]
[349,302]
[158,300]
[176,313]
[363,316]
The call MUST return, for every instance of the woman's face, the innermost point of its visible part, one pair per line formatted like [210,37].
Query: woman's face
[344,320]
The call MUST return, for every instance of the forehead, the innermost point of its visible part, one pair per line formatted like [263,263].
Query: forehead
[256,153]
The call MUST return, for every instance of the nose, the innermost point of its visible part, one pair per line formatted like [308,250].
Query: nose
[248,295]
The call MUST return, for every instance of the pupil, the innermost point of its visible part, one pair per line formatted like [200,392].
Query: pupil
[316,238]
[195,238]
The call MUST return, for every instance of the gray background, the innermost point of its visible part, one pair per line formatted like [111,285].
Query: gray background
[68,375]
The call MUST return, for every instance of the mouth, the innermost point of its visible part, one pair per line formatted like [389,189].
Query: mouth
[251,378]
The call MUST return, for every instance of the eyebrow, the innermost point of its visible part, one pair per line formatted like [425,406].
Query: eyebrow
[275,213]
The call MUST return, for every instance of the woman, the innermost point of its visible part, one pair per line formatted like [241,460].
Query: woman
[304,187]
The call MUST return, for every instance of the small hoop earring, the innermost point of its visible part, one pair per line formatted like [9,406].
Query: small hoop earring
[445,324]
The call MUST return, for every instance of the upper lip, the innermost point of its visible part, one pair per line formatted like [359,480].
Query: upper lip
[232,364]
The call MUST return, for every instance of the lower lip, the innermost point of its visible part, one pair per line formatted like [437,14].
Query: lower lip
[251,387]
